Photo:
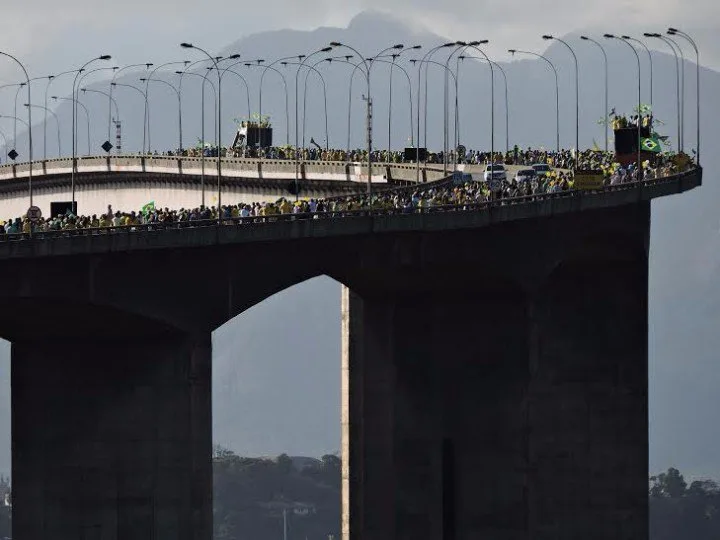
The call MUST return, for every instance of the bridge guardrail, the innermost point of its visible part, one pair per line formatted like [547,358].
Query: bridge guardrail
[344,214]
[233,167]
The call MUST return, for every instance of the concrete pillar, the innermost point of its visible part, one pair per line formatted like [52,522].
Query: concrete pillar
[588,411]
[489,412]
[111,438]
[432,410]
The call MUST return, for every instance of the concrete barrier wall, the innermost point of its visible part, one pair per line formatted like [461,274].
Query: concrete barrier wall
[231,167]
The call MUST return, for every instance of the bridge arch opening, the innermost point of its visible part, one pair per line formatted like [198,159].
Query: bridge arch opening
[276,392]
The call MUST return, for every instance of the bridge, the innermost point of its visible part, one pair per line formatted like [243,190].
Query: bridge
[494,365]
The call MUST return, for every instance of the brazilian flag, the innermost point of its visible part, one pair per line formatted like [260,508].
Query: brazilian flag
[149,207]
[651,144]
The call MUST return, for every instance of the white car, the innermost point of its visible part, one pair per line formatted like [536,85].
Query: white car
[542,169]
[496,173]
[526,175]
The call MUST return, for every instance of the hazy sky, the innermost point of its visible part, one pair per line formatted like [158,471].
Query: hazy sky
[55,36]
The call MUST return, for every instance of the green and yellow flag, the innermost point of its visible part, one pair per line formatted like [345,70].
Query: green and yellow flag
[149,207]
[651,144]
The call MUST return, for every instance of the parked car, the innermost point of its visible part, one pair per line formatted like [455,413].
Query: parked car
[541,169]
[525,175]
[495,172]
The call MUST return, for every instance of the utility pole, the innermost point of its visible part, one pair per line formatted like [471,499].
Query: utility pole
[284,523]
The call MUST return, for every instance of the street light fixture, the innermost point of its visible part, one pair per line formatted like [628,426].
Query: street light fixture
[676,32]
[57,123]
[214,60]
[639,115]
[557,93]
[73,168]
[548,37]
[671,44]
[602,49]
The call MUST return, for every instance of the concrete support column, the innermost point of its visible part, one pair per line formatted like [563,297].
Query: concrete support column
[588,410]
[487,411]
[111,438]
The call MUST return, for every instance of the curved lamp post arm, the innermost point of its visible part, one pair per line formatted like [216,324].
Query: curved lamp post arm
[285,86]
[322,79]
[29,121]
[147,65]
[639,98]
[676,32]
[557,92]
[247,87]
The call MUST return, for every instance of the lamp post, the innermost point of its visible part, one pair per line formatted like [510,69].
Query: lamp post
[143,94]
[147,66]
[449,72]
[356,66]
[73,169]
[557,92]
[677,81]
[393,64]
[457,89]
[17,93]
[85,74]
[424,59]
[112,101]
[676,32]
[147,93]
[51,79]
[460,45]
[202,104]
[676,45]
[507,105]
[87,116]
[202,125]
[177,94]
[262,78]
[629,38]
[368,102]
[57,122]
[287,107]
[303,58]
[29,121]
[639,118]
[605,60]
[577,96]
[313,68]
[219,125]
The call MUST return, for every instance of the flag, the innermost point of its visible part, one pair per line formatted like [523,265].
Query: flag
[149,207]
[651,144]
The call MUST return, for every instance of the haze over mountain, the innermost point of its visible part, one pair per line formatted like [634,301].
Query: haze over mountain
[276,367]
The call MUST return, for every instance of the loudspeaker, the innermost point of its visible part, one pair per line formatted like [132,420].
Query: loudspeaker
[626,139]
[411,155]
[261,137]
[62,208]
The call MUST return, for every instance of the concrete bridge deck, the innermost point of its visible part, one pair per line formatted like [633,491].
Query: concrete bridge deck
[328,224]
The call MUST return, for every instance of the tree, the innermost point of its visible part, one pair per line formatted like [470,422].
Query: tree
[285,464]
[670,484]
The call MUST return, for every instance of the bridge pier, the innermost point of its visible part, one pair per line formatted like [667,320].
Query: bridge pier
[112,438]
[500,412]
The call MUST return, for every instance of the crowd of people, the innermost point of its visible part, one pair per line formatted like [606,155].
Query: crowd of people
[563,159]
[402,200]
